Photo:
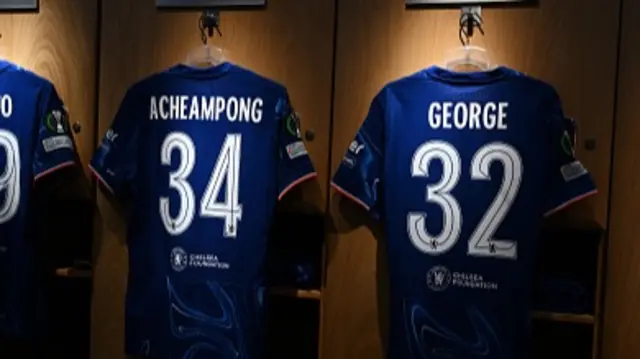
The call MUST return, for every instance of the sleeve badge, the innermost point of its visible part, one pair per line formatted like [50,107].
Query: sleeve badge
[567,144]
[292,124]
[57,121]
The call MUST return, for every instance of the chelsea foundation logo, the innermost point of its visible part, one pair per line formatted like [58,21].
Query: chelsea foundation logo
[179,260]
[438,278]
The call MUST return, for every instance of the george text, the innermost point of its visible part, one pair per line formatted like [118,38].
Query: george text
[468,115]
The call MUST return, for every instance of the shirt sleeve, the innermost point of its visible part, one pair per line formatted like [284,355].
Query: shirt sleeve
[569,181]
[114,163]
[294,164]
[55,147]
[359,175]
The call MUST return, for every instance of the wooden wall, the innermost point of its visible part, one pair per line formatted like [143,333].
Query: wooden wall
[572,44]
[291,42]
[59,43]
[378,41]
[622,302]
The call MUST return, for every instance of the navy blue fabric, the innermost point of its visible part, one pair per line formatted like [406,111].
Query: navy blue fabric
[462,167]
[34,141]
[203,156]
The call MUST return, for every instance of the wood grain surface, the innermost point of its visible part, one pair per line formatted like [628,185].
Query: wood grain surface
[59,43]
[291,42]
[622,301]
[379,41]
[571,44]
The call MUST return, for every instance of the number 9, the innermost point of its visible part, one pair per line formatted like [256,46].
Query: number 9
[10,177]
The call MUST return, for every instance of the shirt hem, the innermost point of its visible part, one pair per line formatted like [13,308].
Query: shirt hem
[350,196]
[53,169]
[569,202]
[298,181]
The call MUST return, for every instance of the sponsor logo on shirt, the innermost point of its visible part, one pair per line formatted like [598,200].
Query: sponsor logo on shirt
[111,135]
[56,143]
[355,147]
[296,149]
[572,171]
[439,278]
[109,138]
[181,260]
[349,161]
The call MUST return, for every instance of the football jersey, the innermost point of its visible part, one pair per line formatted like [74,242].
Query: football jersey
[34,141]
[462,167]
[202,156]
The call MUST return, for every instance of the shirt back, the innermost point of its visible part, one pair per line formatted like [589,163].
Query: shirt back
[462,167]
[203,155]
[34,141]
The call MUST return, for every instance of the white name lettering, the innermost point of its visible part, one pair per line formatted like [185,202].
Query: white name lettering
[206,108]
[468,115]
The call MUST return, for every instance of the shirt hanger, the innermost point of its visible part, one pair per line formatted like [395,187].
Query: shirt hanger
[207,55]
[468,57]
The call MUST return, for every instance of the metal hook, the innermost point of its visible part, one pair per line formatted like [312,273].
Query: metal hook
[463,36]
[209,20]
[470,18]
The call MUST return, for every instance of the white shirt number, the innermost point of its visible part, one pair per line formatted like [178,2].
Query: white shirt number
[482,242]
[227,168]
[10,177]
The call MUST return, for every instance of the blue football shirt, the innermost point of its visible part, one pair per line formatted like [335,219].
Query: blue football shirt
[34,141]
[462,167]
[203,155]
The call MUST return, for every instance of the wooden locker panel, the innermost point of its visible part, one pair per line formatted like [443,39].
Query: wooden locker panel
[379,41]
[622,300]
[59,43]
[290,41]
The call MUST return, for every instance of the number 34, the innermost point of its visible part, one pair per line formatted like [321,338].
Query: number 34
[225,171]
[481,243]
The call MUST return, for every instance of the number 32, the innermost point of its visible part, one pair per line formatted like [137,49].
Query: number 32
[481,243]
